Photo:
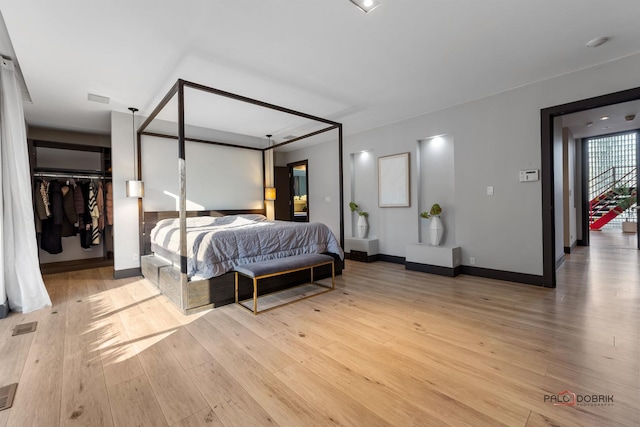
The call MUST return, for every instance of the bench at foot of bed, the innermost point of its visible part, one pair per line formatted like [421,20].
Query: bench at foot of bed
[276,267]
[204,294]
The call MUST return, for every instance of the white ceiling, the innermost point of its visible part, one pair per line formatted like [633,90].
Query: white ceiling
[322,57]
[616,122]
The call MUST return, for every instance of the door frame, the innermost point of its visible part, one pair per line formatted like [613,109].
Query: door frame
[547,176]
[304,163]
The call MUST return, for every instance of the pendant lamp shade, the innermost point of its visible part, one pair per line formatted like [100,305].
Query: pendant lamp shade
[135,189]
[270,193]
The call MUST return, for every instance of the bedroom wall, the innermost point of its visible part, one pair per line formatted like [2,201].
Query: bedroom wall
[217,177]
[495,137]
[323,181]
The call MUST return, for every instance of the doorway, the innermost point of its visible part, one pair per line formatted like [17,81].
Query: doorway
[552,179]
[292,188]
[300,190]
[611,179]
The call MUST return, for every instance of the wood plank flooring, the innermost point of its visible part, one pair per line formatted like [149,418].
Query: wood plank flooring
[388,347]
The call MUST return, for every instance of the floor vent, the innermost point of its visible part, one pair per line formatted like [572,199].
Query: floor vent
[24,328]
[6,396]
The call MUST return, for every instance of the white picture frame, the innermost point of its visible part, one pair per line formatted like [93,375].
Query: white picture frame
[393,181]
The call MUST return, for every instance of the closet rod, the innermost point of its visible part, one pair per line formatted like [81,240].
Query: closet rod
[66,175]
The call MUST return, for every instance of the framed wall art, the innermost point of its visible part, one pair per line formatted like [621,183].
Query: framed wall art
[393,181]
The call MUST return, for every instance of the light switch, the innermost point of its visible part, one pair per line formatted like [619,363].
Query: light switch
[490,191]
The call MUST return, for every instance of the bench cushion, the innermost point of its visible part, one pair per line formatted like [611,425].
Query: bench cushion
[277,265]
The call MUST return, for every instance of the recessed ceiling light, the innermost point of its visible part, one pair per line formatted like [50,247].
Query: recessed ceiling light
[630,117]
[597,41]
[606,127]
[604,118]
[589,124]
[366,5]
[97,98]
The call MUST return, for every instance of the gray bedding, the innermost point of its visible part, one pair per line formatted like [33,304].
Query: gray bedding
[215,245]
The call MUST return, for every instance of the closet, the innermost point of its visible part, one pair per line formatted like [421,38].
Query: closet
[71,185]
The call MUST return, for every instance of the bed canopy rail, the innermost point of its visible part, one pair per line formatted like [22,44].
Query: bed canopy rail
[178,89]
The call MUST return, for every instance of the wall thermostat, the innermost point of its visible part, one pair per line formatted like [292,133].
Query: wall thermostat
[530,175]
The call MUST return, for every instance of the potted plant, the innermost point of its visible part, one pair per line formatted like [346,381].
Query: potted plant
[628,199]
[436,228]
[362,227]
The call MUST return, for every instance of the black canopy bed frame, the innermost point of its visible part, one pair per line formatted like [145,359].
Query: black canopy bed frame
[188,295]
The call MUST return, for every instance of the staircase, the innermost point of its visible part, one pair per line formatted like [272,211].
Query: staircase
[614,195]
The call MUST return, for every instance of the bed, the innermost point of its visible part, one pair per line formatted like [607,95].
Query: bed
[216,245]
[167,261]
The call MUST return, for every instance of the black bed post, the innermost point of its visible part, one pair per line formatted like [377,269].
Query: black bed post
[182,171]
[341,174]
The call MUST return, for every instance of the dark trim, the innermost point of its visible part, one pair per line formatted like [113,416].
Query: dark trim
[568,249]
[204,141]
[318,132]
[370,258]
[255,102]
[392,258]
[509,276]
[433,269]
[547,177]
[160,106]
[583,242]
[182,156]
[67,146]
[559,261]
[4,309]
[292,210]
[129,272]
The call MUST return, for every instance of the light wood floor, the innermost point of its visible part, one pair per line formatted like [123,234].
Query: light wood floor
[389,347]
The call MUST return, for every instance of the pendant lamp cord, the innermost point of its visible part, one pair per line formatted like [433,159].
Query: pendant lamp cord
[135,143]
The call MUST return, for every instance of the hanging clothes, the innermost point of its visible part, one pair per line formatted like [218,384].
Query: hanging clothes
[95,214]
[100,202]
[70,215]
[44,194]
[109,208]
[40,208]
[85,223]
[51,239]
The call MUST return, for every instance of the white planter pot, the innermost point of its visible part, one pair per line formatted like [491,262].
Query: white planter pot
[436,230]
[629,227]
[362,227]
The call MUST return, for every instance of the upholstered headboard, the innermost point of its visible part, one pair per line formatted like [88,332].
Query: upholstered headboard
[151,218]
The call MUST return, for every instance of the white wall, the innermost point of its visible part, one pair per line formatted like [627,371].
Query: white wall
[361,175]
[558,163]
[322,180]
[495,137]
[218,177]
[126,233]
[437,185]
[568,185]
